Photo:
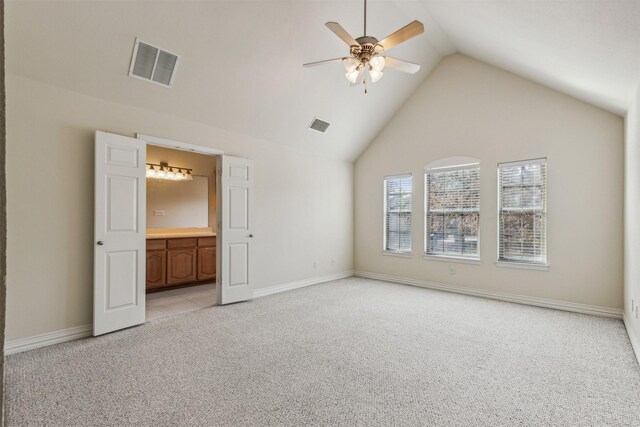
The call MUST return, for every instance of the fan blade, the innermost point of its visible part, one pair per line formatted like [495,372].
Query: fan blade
[400,65]
[360,77]
[327,61]
[403,34]
[342,33]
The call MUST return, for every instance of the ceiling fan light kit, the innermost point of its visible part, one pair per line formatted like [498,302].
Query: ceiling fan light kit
[368,55]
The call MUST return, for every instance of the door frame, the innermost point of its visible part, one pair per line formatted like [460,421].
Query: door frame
[199,149]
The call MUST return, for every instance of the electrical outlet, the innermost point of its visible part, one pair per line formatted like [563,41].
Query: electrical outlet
[452,269]
[158,212]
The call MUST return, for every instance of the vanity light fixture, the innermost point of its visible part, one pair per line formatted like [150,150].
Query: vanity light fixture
[164,171]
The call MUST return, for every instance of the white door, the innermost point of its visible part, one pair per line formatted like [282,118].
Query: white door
[235,231]
[120,232]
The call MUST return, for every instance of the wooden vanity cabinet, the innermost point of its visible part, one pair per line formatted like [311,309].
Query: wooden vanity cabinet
[180,261]
[206,258]
[156,264]
[181,266]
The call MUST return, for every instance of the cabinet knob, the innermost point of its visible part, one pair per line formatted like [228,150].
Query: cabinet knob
[100,243]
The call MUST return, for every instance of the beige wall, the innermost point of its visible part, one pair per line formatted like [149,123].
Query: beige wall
[303,202]
[202,165]
[468,108]
[632,219]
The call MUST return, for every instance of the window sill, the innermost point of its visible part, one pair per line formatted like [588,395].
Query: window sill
[398,254]
[459,260]
[522,265]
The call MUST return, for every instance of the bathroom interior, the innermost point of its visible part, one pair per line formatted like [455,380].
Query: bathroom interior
[181,232]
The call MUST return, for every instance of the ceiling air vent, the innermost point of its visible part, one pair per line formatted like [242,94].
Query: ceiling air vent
[319,125]
[153,64]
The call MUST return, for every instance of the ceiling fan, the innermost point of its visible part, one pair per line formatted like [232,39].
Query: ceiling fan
[368,56]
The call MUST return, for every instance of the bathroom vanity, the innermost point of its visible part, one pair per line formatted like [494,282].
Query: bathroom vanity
[180,258]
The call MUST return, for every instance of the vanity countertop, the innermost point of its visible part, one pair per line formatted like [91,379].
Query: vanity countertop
[174,233]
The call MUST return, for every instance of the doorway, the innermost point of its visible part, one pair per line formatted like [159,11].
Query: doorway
[120,255]
[181,231]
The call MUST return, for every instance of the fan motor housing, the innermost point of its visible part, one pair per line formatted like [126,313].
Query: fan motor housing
[367,48]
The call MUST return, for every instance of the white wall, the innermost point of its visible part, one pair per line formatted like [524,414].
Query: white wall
[303,202]
[632,221]
[201,164]
[468,108]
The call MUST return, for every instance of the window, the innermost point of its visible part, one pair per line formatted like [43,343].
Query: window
[452,209]
[522,212]
[397,214]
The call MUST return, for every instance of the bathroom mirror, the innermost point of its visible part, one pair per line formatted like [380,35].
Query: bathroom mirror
[178,204]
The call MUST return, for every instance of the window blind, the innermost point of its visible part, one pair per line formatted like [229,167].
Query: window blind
[397,213]
[522,206]
[452,208]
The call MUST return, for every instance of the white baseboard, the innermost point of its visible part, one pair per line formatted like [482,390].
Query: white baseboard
[49,338]
[57,337]
[635,340]
[502,296]
[300,284]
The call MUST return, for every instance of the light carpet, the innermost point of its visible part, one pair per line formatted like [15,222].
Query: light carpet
[349,352]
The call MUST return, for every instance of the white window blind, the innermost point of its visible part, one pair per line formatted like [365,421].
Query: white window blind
[452,209]
[522,206]
[397,213]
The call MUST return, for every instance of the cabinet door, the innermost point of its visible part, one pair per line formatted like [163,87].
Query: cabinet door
[181,266]
[156,269]
[206,263]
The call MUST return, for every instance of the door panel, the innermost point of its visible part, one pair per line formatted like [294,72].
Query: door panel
[238,264]
[181,266]
[235,231]
[238,208]
[121,279]
[206,263]
[122,215]
[156,268]
[119,232]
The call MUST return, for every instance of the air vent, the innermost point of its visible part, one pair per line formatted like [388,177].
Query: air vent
[319,125]
[153,64]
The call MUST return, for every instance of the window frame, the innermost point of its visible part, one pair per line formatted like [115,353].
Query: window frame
[386,251]
[445,165]
[522,264]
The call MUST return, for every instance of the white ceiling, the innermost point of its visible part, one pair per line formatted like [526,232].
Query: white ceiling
[241,67]
[587,49]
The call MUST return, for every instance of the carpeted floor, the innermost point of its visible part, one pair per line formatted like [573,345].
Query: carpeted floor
[350,352]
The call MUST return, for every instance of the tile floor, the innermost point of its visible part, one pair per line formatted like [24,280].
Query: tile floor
[182,300]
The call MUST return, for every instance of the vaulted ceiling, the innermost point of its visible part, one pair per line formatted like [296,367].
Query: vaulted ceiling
[241,67]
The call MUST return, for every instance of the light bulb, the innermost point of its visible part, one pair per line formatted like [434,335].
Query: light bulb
[375,75]
[377,63]
[161,173]
[171,174]
[350,64]
[188,176]
[180,175]
[352,76]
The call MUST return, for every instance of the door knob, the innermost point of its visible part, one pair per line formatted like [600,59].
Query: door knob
[100,243]
[250,235]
